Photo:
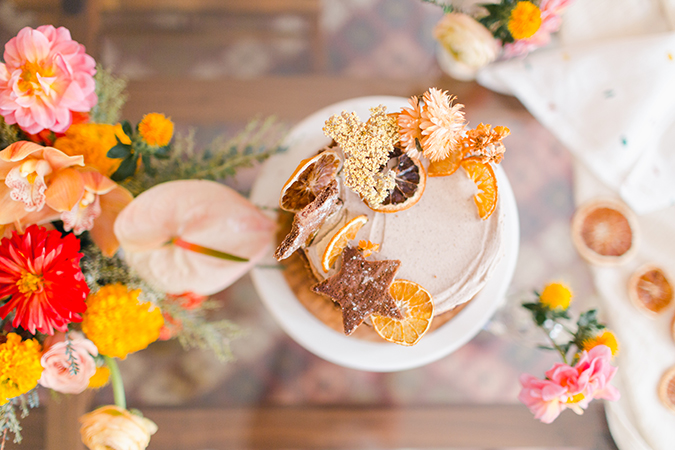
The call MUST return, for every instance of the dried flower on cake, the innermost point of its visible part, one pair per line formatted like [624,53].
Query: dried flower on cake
[486,142]
[366,147]
[119,323]
[442,124]
[409,124]
[46,76]
[367,248]
[40,272]
[20,367]
[68,363]
[115,428]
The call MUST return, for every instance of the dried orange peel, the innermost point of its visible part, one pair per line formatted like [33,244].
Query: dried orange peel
[340,240]
[446,166]
[410,181]
[310,177]
[667,389]
[417,307]
[486,182]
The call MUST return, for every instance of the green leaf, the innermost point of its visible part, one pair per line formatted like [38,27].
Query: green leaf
[126,127]
[126,169]
[163,152]
[119,151]
[147,165]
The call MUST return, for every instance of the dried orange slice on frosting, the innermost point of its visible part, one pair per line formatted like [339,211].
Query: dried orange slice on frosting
[410,178]
[486,182]
[650,290]
[417,307]
[604,232]
[446,166]
[667,389]
[310,177]
[340,240]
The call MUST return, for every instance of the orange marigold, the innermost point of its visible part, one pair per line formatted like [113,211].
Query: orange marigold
[524,21]
[20,367]
[606,338]
[156,129]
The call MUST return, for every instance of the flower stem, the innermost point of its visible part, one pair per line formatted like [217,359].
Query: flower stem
[556,346]
[117,383]
[178,242]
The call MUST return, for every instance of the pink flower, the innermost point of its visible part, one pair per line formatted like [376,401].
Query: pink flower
[550,23]
[57,373]
[46,76]
[567,387]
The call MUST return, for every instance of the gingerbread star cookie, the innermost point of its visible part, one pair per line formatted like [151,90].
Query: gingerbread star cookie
[361,288]
[308,221]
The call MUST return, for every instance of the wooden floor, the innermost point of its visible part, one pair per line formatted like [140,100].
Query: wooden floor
[457,426]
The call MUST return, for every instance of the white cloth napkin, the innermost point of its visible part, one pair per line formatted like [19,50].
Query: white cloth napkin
[609,98]
[607,91]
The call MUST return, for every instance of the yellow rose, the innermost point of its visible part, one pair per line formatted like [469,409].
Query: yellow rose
[113,428]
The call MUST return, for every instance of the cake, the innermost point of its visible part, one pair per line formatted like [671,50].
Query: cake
[400,203]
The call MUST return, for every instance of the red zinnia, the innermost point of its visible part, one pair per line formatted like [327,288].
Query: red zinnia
[41,275]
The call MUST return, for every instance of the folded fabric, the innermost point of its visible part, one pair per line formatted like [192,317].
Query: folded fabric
[612,104]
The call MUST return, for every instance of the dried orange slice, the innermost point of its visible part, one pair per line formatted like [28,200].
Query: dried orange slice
[410,178]
[486,182]
[649,289]
[604,232]
[667,389]
[340,240]
[310,177]
[446,166]
[417,307]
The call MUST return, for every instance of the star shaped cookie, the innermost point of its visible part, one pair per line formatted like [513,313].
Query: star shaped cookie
[307,221]
[361,288]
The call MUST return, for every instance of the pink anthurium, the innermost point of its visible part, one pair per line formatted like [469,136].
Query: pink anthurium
[191,235]
[37,183]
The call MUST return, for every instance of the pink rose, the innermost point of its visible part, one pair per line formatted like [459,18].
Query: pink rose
[57,374]
[46,76]
[542,397]
[595,371]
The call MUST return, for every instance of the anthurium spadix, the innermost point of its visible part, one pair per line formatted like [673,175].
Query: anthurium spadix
[192,235]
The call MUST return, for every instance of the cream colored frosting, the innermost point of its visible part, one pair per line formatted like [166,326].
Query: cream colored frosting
[441,241]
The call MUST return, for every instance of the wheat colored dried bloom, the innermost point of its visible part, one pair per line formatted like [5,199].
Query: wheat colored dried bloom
[366,147]
[442,124]
[486,142]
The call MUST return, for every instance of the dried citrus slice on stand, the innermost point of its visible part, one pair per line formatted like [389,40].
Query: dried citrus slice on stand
[667,389]
[340,240]
[486,182]
[446,166]
[310,177]
[604,232]
[417,307]
[649,289]
[410,178]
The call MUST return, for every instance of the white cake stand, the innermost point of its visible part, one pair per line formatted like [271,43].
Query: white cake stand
[303,141]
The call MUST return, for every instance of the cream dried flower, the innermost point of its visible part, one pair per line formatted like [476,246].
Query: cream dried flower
[486,142]
[409,124]
[442,124]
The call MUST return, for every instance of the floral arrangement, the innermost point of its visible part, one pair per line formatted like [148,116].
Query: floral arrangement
[585,372]
[76,186]
[474,37]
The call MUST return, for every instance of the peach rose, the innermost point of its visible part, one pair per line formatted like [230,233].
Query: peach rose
[57,374]
[113,428]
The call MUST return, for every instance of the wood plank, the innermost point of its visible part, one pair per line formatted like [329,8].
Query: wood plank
[229,6]
[62,421]
[288,98]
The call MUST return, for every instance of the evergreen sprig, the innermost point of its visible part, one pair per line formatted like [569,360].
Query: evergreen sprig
[9,422]
[112,96]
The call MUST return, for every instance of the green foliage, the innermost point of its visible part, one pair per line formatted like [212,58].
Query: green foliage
[447,7]
[9,422]
[9,134]
[260,139]
[111,97]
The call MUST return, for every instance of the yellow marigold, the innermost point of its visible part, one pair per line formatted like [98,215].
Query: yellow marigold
[93,140]
[606,338]
[156,129]
[100,378]
[556,296]
[20,367]
[118,323]
[524,21]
